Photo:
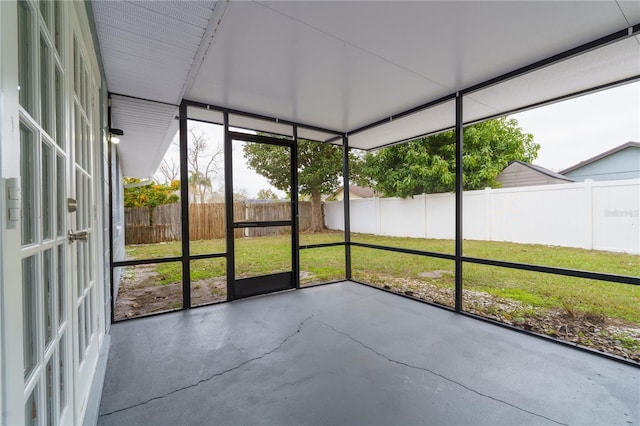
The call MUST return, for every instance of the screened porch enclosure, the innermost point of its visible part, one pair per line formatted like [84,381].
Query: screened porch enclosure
[440,270]
[323,73]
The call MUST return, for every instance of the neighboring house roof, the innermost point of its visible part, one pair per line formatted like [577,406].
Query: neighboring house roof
[518,173]
[601,156]
[542,170]
[355,190]
[360,191]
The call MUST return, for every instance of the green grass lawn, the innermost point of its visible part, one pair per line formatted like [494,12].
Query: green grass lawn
[265,255]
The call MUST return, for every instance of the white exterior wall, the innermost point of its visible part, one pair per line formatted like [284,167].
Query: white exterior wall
[590,215]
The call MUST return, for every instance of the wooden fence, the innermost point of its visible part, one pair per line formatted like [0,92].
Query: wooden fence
[207,221]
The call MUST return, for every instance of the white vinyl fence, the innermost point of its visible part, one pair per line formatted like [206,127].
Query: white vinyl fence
[591,215]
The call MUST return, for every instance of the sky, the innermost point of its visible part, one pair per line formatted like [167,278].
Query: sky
[568,132]
[245,180]
[577,129]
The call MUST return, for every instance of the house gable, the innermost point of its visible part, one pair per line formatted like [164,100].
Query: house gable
[518,173]
[622,162]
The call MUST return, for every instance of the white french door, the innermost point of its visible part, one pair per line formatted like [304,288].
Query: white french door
[83,230]
[44,173]
[59,127]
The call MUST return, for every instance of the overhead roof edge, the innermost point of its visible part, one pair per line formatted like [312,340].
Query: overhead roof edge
[617,36]
[579,50]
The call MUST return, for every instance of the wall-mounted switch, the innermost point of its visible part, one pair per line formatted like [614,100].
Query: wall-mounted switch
[12,191]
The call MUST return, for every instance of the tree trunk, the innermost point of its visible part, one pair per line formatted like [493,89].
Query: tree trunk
[317,221]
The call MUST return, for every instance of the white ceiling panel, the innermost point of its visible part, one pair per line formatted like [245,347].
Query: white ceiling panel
[458,44]
[204,114]
[429,120]
[630,10]
[262,61]
[341,65]
[614,62]
[318,136]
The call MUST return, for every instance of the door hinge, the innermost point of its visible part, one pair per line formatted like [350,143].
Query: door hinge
[12,194]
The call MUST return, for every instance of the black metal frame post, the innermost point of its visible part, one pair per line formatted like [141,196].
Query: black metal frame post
[346,207]
[459,195]
[228,208]
[184,207]
[295,224]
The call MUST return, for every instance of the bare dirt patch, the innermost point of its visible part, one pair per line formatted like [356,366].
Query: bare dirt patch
[143,293]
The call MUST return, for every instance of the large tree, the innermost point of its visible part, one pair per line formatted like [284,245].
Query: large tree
[427,165]
[319,171]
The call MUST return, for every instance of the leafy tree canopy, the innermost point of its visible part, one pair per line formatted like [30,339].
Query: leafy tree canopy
[319,170]
[427,165]
[319,165]
[150,195]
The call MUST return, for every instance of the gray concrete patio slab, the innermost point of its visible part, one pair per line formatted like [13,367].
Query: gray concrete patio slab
[350,354]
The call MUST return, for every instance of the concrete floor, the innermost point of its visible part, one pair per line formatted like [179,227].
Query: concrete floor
[349,354]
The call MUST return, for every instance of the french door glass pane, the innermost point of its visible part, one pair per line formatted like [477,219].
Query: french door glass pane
[45,10]
[57,10]
[83,141]
[29,312]
[60,195]
[45,86]
[76,66]
[78,135]
[61,287]
[80,211]
[80,266]
[31,414]
[86,146]
[83,85]
[25,58]
[27,172]
[47,191]
[81,344]
[48,279]
[87,319]
[59,109]
[51,418]
[63,373]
